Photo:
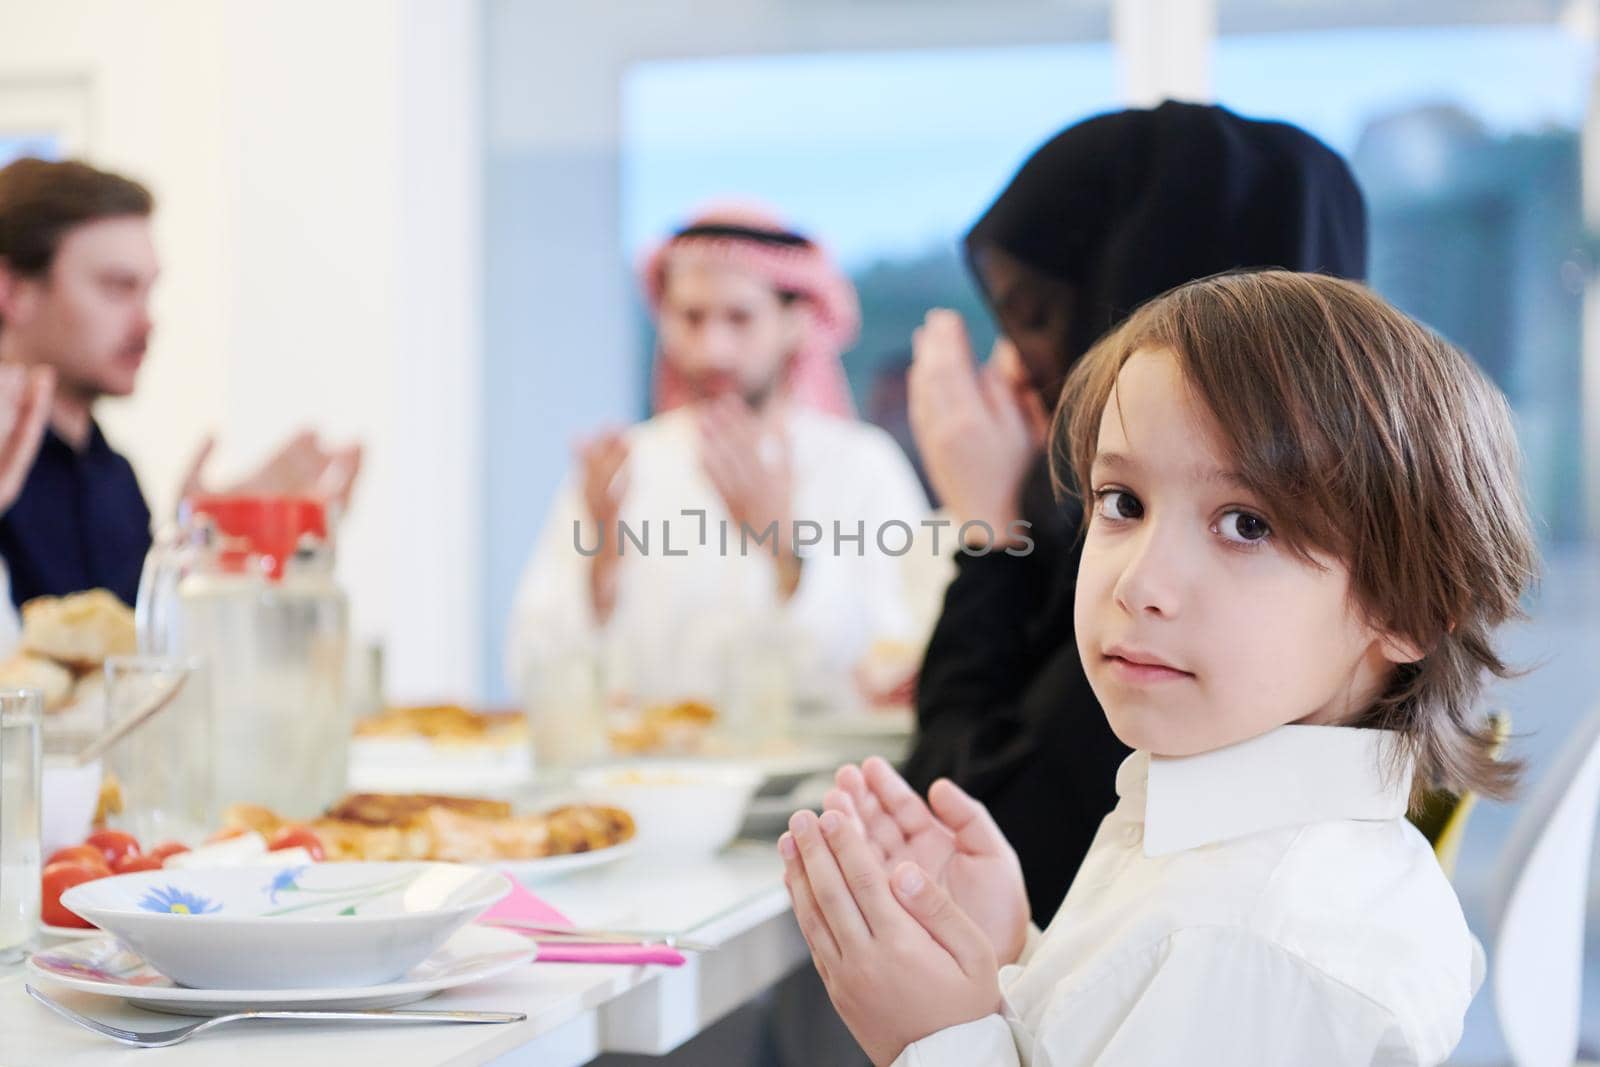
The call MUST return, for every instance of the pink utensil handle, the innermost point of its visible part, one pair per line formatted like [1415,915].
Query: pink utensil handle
[633,954]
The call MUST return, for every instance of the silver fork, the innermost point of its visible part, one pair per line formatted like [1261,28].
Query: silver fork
[163,1038]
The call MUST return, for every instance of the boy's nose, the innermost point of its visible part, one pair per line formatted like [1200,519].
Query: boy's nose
[1151,579]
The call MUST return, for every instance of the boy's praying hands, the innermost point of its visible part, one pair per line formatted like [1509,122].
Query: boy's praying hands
[872,932]
[951,836]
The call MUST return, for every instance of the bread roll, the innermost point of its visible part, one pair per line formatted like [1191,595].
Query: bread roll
[79,631]
[23,671]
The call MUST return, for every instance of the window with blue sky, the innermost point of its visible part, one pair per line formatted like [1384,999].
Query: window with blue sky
[1465,140]
[16,145]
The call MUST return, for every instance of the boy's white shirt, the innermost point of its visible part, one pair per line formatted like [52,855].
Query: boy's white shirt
[1263,904]
[677,616]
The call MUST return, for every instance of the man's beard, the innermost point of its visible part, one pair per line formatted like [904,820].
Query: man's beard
[756,398]
[103,377]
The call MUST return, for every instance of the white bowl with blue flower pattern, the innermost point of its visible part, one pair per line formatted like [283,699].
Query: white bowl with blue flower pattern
[322,925]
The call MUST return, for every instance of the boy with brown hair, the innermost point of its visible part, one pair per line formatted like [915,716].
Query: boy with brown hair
[1305,523]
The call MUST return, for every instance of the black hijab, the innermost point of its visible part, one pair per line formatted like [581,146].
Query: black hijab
[1124,206]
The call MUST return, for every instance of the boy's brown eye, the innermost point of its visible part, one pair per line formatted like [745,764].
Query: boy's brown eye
[1242,527]
[1118,504]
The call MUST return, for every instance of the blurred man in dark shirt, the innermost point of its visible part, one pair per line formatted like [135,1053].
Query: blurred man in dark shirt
[77,265]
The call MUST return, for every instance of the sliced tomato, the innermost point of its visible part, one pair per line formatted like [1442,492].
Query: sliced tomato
[57,879]
[135,861]
[113,844]
[298,837]
[86,854]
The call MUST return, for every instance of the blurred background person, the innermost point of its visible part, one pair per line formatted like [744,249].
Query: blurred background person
[754,427]
[1106,215]
[77,265]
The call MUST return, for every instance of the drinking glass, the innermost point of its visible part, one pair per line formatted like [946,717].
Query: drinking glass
[164,766]
[20,712]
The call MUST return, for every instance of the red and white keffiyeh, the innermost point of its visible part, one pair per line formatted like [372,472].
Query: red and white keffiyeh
[816,375]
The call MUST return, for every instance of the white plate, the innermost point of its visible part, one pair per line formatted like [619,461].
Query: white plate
[107,968]
[555,866]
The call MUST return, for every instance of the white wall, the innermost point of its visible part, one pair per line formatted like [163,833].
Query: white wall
[317,171]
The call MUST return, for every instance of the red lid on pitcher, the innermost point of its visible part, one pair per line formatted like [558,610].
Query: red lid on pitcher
[266,526]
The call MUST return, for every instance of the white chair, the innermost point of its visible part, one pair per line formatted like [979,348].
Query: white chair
[1539,920]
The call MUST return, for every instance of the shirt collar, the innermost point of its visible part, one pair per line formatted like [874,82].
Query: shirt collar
[95,445]
[1289,776]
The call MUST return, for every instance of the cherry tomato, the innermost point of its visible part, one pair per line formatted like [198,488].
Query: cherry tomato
[134,861]
[297,837]
[85,854]
[166,849]
[113,844]
[57,879]
[223,835]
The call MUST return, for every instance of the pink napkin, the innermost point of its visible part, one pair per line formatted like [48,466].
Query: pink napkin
[523,906]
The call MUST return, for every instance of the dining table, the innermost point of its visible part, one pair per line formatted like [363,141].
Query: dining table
[732,903]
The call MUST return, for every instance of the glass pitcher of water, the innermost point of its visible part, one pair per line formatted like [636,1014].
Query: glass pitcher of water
[246,585]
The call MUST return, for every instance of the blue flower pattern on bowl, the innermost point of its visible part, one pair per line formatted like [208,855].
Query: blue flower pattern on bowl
[284,881]
[347,896]
[341,899]
[173,901]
